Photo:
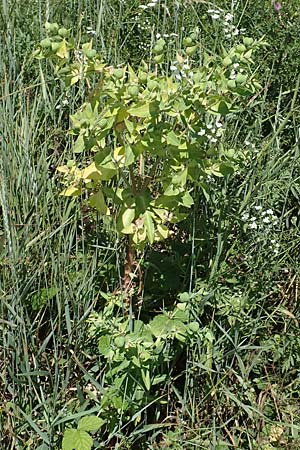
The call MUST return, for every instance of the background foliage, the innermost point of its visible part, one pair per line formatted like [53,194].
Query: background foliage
[218,332]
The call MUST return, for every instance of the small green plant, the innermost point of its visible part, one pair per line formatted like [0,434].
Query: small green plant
[139,357]
[147,138]
[79,438]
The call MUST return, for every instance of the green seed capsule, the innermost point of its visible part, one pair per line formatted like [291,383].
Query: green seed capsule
[118,73]
[143,76]
[240,48]
[191,50]
[231,84]
[103,123]
[158,49]
[248,41]
[90,53]
[119,341]
[158,59]
[227,61]
[151,85]
[46,43]
[55,46]
[63,32]
[188,41]
[240,78]
[133,91]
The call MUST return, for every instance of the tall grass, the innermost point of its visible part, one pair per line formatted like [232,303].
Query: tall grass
[241,379]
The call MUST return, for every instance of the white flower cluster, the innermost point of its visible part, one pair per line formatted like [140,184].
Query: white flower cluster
[229,29]
[212,131]
[151,4]
[235,70]
[262,222]
[90,31]
[166,35]
[64,103]
[181,70]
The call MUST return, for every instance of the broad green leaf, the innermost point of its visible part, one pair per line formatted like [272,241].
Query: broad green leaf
[158,325]
[142,110]
[187,200]
[71,191]
[149,226]
[104,346]
[172,139]
[91,172]
[62,51]
[79,145]
[146,379]
[129,156]
[97,201]
[90,423]
[226,169]
[82,440]
[127,219]
[68,439]
[163,231]
[180,177]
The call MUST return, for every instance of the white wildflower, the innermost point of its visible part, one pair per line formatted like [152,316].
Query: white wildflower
[266,220]
[228,17]
[253,225]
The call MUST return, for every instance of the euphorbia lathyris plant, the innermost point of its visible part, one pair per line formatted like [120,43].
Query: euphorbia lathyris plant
[149,137]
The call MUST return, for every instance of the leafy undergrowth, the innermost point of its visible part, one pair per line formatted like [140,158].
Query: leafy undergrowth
[176,324]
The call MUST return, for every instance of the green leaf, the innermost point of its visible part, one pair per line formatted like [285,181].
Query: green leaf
[149,226]
[172,139]
[82,440]
[226,169]
[68,439]
[187,200]
[71,191]
[104,346]
[97,201]
[146,379]
[127,219]
[142,110]
[90,423]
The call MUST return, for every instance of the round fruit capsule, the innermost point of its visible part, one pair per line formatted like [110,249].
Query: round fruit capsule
[240,48]
[63,32]
[227,61]
[188,41]
[158,58]
[46,43]
[240,78]
[103,123]
[191,50]
[118,73]
[119,341]
[55,46]
[152,84]
[133,91]
[231,84]
[90,53]
[248,41]
[158,49]
[143,76]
